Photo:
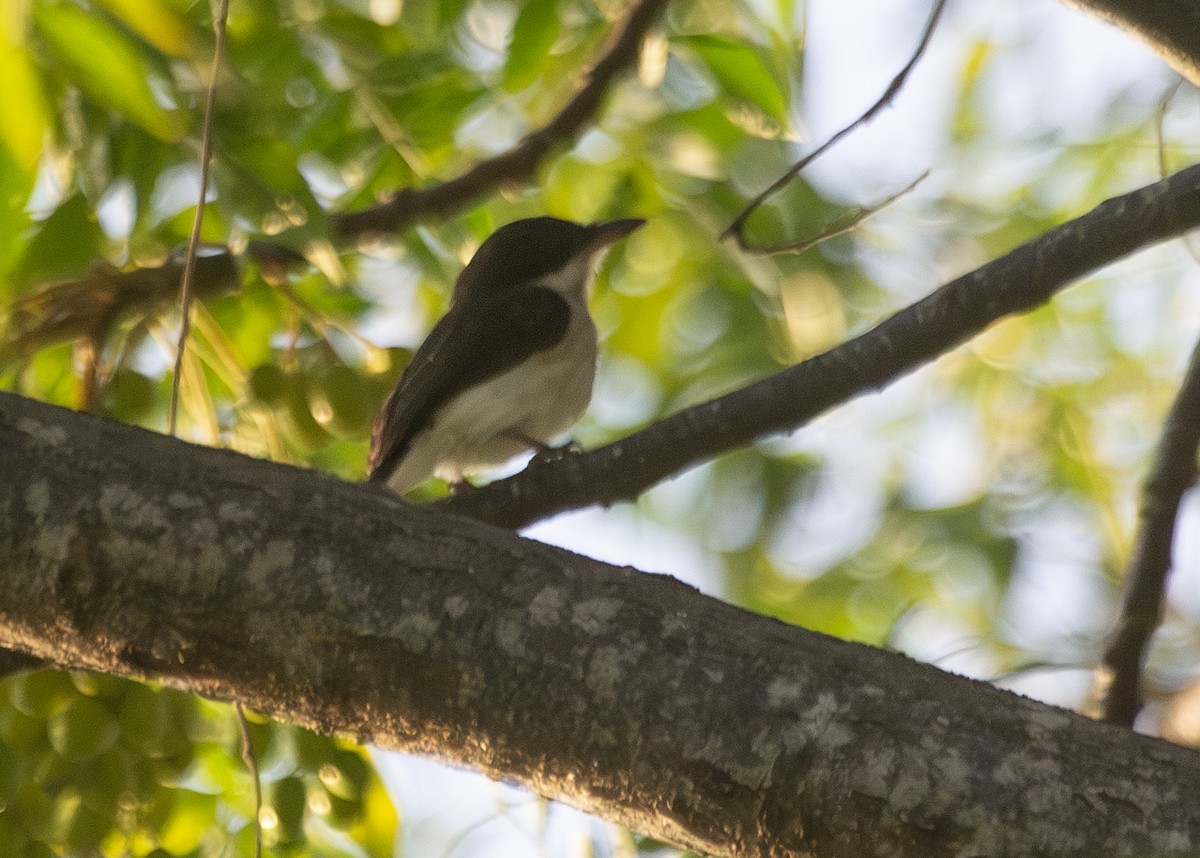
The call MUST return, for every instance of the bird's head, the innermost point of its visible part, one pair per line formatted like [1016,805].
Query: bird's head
[557,254]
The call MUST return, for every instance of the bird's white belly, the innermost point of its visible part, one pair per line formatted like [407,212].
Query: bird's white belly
[539,399]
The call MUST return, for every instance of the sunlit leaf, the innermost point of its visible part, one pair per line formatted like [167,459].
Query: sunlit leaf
[65,244]
[740,70]
[156,22]
[105,63]
[190,820]
[533,35]
[15,186]
[24,115]
[377,827]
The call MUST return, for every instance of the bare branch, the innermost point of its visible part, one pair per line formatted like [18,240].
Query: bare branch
[737,228]
[1172,474]
[1017,282]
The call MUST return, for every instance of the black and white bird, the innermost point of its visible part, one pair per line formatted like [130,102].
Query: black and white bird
[511,364]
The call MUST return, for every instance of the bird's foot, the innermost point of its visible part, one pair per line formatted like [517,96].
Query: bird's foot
[547,453]
[543,452]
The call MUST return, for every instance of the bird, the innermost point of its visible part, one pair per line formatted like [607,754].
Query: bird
[511,364]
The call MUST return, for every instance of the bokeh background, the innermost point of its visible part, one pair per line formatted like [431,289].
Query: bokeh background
[978,515]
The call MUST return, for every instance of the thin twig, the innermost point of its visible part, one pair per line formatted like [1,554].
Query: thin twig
[840,226]
[189,260]
[1021,280]
[736,229]
[1172,474]
[251,760]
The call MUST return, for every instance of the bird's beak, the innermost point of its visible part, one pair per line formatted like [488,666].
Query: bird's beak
[604,234]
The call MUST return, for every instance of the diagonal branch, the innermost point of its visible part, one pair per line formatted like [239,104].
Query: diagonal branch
[1017,282]
[520,163]
[1172,474]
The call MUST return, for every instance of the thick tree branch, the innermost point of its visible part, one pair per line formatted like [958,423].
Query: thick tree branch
[630,695]
[1170,28]
[1017,282]
[1172,474]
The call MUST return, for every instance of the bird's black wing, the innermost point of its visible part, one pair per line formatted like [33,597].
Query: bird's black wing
[478,339]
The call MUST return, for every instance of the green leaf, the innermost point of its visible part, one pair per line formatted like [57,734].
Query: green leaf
[40,693]
[24,115]
[12,773]
[157,23]
[376,828]
[84,729]
[190,819]
[741,72]
[15,185]
[533,35]
[288,797]
[109,66]
[65,244]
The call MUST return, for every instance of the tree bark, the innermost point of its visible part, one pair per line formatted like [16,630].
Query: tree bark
[629,695]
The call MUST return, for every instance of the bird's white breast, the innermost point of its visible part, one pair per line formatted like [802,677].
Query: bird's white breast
[540,398]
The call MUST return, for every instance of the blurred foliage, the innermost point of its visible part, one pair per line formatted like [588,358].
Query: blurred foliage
[932,518]
[93,765]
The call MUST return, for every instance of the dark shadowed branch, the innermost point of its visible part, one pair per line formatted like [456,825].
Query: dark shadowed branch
[89,306]
[1019,281]
[1172,474]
